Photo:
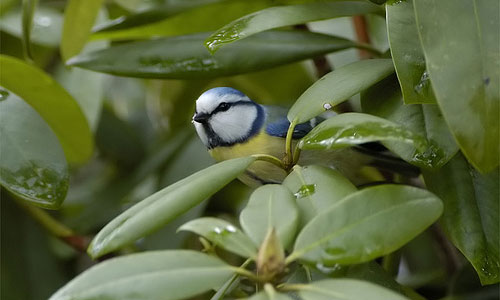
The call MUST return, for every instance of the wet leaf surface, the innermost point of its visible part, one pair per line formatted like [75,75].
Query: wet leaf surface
[184,57]
[366,224]
[463,62]
[33,166]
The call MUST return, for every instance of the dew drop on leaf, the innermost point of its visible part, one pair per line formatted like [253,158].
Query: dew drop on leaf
[305,190]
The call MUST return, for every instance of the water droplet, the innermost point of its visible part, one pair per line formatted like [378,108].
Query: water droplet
[33,183]
[328,270]
[3,95]
[305,190]
[327,106]
[43,21]
[231,228]
[430,155]
[395,2]
[217,230]
[423,85]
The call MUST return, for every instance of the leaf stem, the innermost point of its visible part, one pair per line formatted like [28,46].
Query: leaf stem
[288,145]
[291,258]
[271,159]
[227,285]
[28,12]
[296,154]
[246,273]
[291,287]
[55,227]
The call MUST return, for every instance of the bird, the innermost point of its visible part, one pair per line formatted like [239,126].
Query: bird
[232,125]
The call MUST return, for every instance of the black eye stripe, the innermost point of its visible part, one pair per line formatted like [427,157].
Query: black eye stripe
[224,106]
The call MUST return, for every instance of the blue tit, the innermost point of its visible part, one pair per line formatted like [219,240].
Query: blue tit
[231,125]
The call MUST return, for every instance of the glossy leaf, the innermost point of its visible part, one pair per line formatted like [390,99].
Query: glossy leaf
[270,206]
[47,24]
[471,213]
[53,103]
[158,209]
[355,128]
[281,16]
[366,224]
[33,166]
[184,57]
[79,17]
[407,53]
[189,21]
[169,275]
[463,59]
[29,7]
[384,100]
[338,86]
[346,289]
[222,234]
[143,16]
[316,188]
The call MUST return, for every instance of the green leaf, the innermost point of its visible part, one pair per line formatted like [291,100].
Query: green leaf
[168,275]
[223,234]
[33,166]
[338,86]
[346,289]
[143,17]
[269,294]
[29,7]
[374,273]
[53,103]
[355,128]
[384,100]
[471,212]
[47,24]
[184,57]
[366,224]
[281,16]
[462,56]
[79,17]
[198,19]
[158,209]
[270,206]
[316,188]
[87,88]
[407,53]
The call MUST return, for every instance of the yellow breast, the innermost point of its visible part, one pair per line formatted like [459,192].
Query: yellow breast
[260,171]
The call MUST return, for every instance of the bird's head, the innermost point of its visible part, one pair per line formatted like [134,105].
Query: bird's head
[225,116]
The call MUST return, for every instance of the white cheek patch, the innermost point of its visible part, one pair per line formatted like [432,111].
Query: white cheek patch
[201,133]
[235,124]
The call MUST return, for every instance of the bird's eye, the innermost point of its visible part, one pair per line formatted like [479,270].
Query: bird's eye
[224,106]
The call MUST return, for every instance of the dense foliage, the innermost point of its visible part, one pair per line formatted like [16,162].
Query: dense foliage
[107,193]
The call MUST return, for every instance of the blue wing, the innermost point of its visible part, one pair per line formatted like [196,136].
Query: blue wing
[280,126]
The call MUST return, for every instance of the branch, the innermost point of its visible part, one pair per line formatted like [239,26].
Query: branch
[362,35]
[55,228]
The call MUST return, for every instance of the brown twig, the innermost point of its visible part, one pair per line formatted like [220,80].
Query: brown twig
[55,228]
[362,35]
